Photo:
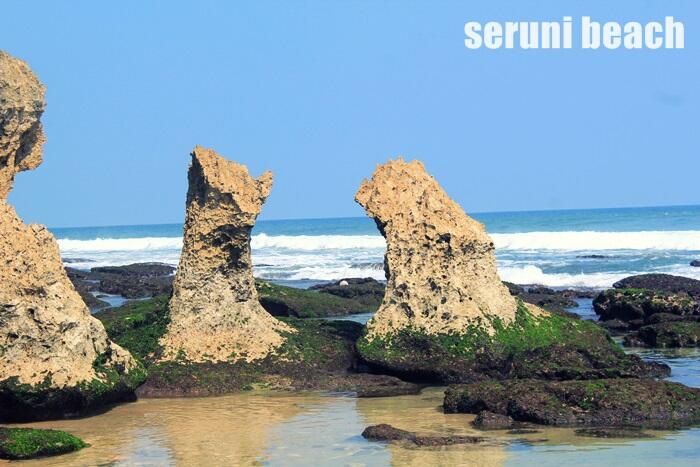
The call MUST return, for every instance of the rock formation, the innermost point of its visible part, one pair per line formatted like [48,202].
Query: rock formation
[55,358]
[215,313]
[440,263]
[609,402]
[21,106]
[446,316]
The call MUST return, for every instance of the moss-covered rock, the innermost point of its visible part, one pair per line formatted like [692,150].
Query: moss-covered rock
[317,347]
[671,334]
[651,318]
[137,326]
[320,355]
[280,300]
[30,443]
[549,346]
[368,291]
[661,283]
[24,402]
[638,304]
[603,402]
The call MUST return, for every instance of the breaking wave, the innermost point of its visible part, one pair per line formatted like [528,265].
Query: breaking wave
[688,240]
[120,244]
[596,280]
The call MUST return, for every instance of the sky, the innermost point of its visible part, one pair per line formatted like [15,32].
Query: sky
[321,92]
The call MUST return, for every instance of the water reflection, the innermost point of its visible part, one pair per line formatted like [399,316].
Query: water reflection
[424,414]
[304,429]
[229,430]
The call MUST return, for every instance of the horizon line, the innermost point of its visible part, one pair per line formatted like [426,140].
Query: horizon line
[369,218]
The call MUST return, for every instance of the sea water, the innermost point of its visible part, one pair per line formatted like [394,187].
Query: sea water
[572,248]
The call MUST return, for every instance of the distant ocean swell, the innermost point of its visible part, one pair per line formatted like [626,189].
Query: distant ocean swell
[557,259]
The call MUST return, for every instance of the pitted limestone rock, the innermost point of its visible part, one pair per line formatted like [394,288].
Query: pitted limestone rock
[215,313]
[47,334]
[440,263]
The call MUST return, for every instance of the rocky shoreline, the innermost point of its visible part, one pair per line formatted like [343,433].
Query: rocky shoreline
[607,402]
[511,354]
[652,310]
[342,297]
[56,360]
[148,320]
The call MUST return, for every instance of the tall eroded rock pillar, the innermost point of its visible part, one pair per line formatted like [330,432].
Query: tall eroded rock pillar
[446,316]
[215,313]
[55,358]
[440,263]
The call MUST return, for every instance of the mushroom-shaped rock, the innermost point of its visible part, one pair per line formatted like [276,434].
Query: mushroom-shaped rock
[215,313]
[446,315]
[55,358]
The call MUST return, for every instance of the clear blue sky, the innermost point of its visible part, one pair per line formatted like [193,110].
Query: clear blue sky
[320,92]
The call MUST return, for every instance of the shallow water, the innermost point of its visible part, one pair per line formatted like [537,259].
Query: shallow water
[259,428]
[304,429]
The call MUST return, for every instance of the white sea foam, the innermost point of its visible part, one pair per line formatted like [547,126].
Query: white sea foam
[535,275]
[577,241]
[120,244]
[523,257]
[325,273]
[317,242]
[563,241]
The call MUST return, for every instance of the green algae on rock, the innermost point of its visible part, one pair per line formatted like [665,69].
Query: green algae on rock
[280,300]
[22,402]
[30,443]
[138,325]
[602,402]
[547,346]
[314,348]
[446,316]
[638,304]
[673,334]
[318,355]
[666,316]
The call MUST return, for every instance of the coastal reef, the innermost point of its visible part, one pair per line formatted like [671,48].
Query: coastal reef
[316,355]
[652,310]
[327,300]
[213,336]
[147,280]
[604,402]
[446,316]
[215,314]
[131,281]
[55,358]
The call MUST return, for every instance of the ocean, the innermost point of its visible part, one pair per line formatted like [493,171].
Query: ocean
[567,248]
